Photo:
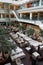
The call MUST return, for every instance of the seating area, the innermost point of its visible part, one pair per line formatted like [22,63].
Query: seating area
[27,50]
[22,42]
[34,48]
[21,32]
[18,53]
[25,40]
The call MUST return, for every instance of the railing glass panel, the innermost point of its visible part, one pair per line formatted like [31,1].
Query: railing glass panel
[41,2]
[33,4]
[33,19]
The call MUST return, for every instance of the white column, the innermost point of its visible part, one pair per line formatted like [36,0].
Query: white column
[40,2]
[20,15]
[1,16]
[30,16]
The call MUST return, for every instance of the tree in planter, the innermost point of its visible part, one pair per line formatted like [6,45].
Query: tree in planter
[30,31]
[21,27]
[41,33]
[5,45]
[16,24]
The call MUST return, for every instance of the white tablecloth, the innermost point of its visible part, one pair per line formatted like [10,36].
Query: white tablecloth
[18,50]
[17,56]
[30,40]
[35,54]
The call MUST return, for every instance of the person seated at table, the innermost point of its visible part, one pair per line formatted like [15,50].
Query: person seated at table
[38,48]
[31,50]
[34,61]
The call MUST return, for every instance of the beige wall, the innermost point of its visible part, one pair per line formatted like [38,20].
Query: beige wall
[36,28]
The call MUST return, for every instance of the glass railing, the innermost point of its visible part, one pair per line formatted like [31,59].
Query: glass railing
[42,3]
[24,18]
[33,19]
[32,5]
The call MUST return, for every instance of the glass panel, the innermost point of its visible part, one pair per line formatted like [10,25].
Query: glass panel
[42,2]
[22,6]
[26,16]
[6,6]
[34,16]
[41,16]
[35,4]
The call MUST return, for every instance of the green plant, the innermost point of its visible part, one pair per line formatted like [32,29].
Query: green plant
[30,31]
[41,33]
[5,45]
[21,27]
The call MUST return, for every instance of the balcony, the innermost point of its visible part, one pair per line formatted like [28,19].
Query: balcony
[35,22]
[30,5]
[4,10]
[4,19]
[13,19]
[7,19]
[32,9]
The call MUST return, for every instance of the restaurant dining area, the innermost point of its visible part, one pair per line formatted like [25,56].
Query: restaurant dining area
[21,32]
[20,48]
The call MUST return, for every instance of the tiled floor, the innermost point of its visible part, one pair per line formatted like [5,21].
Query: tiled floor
[25,61]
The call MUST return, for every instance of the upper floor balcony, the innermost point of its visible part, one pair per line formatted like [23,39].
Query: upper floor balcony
[33,20]
[7,19]
[32,7]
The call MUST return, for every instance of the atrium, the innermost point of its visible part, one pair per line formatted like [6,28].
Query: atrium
[21,32]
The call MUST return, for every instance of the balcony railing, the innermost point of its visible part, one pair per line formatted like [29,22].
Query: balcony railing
[34,4]
[4,19]
[12,19]
[7,19]
[33,19]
